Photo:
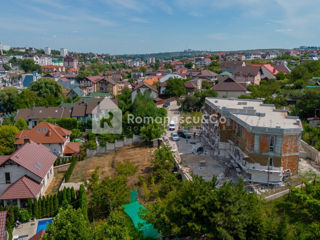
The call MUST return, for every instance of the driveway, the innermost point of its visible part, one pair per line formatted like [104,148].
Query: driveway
[173,115]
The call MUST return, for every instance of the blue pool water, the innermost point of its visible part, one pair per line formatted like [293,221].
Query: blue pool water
[42,224]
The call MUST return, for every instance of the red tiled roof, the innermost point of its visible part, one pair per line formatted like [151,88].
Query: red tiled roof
[190,84]
[24,188]
[94,79]
[3,218]
[152,80]
[143,84]
[34,157]
[44,133]
[38,236]
[72,147]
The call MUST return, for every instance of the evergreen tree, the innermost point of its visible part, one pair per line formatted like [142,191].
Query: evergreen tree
[73,196]
[35,209]
[69,195]
[83,201]
[29,205]
[56,204]
[39,208]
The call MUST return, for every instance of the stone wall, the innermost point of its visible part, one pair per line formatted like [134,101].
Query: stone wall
[113,146]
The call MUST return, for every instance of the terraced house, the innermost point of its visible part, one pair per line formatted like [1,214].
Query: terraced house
[261,139]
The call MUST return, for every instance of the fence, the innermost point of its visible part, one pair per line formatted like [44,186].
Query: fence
[307,151]
[113,146]
[184,171]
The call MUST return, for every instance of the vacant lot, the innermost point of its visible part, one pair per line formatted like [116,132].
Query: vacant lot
[139,155]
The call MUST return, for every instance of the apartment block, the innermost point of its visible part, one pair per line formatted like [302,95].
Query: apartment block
[262,140]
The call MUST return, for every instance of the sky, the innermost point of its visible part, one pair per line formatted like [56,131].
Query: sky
[149,26]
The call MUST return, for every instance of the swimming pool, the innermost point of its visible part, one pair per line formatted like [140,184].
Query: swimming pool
[42,224]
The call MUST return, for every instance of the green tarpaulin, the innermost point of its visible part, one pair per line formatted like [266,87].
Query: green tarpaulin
[132,210]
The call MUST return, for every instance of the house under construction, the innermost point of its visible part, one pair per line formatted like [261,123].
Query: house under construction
[261,139]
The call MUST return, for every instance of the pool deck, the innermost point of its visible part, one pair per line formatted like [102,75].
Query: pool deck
[27,229]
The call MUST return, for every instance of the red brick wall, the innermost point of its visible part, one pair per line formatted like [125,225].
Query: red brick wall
[290,144]
[290,162]
[264,143]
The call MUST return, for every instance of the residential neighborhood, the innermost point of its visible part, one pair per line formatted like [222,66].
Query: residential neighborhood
[159,120]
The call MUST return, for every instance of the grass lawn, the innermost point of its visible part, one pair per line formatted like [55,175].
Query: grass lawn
[191,119]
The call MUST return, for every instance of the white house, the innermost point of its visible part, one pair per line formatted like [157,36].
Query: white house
[25,174]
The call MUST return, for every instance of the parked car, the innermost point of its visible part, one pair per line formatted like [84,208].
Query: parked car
[166,104]
[175,136]
[172,126]
[184,134]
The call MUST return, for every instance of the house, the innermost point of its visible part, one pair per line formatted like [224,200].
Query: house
[193,85]
[229,88]
[25,174]
[230,66]
[282,67]
[81,110]
[164,79]
[111,84]
[68,82]
[209,75]
[263,141]
[33,115]
[70,62]
[27,79]
[89,84]
[248,74]
[75,92]
[52,136]
[142,88]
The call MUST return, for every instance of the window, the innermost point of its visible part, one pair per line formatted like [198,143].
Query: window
[39,130]
[271,144]
[270,163]
[8,178]
[45,130]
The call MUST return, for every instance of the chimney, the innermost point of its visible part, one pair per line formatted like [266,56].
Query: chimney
[26,140]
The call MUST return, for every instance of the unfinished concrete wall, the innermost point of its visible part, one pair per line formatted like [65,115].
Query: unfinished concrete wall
[308,151]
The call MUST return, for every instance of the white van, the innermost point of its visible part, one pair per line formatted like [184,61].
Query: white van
[172,126]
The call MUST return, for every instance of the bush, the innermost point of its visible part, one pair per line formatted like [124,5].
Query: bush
[91,144]
[126,168]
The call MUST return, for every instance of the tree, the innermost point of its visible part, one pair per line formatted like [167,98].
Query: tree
[21,124]
[7,139]
[151,131]
[48,90]
[27,99]
[29,66]
[69,224]
[188,65]
[83,204]
[280,76]
[175,87]
[199,208]
[142,69]
[8,99]
[117,226]
[109,195]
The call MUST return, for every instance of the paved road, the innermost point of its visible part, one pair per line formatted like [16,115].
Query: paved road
[173,114]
